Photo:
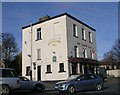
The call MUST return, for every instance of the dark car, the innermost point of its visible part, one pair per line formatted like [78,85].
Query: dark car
[80,82]
[27,84]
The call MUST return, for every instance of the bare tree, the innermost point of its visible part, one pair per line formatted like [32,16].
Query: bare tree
[108,57]
[116,50]
[9,47]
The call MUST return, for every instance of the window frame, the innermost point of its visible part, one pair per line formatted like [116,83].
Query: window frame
[48,69]
[27,70]
[76,51]
[38,34]
[38,54]
[90,37]
[84,53]
[83,34]
[75,31]
[61,67]
[54,59]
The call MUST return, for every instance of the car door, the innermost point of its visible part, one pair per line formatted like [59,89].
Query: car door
[81,83]
[91,81]
[25,83]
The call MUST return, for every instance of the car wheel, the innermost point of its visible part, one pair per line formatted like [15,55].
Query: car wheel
[71,89]
[4,90]
[98,87]
[38,88]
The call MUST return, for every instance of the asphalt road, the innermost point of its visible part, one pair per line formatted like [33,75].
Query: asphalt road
[111,87]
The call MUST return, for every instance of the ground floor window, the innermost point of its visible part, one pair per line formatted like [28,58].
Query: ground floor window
[61,67]
[48,69]
[28,71]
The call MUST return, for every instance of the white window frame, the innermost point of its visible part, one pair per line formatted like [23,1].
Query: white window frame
[83,34]
[75,31]
[90,37]
[76,51]
[84,53]
[38,54]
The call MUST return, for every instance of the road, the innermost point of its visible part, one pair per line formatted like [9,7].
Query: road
[111,87]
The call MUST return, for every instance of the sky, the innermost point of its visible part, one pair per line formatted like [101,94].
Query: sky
[103,16]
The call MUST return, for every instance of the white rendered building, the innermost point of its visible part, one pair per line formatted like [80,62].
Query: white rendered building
[55,48]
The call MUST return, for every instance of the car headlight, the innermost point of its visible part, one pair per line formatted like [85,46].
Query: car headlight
[62,84]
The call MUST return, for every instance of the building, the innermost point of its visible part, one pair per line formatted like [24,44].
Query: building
[57,47]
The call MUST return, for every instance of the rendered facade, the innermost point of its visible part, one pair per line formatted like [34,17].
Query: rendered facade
[55,48]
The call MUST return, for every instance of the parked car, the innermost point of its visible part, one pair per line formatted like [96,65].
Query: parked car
[9,81]
[80,82]
[27,84]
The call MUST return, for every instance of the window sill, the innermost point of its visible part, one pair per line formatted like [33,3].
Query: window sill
[75,36]
[90,42]
[38,59]
[27,75]
[61,71]
[38,39]
[84,39]
[48,72]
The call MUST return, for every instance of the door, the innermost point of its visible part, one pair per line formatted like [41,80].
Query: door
[74,69]
[39,73]
[81,83]
[26,84]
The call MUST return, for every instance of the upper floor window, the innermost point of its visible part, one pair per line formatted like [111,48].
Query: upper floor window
[39,34]
[38,54]
[91,54]
[84,53]
[75,32]
[90,37]
[83,34]
[76,51]
[54,58]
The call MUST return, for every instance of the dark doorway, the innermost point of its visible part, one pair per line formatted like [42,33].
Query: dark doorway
[74,69]
[39,73]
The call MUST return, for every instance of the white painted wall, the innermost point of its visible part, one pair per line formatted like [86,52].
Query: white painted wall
[115,73]
[47,46]
[61,42]
[73,41]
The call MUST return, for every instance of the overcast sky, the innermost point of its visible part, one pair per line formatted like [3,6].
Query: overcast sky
[101,16]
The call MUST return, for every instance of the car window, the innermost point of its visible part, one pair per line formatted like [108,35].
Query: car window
[83,77]
[9,73]
[90,77]
[24,79]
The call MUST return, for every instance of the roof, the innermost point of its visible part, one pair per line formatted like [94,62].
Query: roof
[60,16]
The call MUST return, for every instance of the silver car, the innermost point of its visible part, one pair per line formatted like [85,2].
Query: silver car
[80,82]
[9,81]
[27,84]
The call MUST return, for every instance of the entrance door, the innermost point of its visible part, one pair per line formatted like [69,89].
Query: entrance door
[74,68]
[39,73]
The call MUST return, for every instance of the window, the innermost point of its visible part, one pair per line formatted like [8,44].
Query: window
[91,54]
[76,51]
[54,58]
[39,34]
[90,37]
[84,53]
[61,67]
[28,71]
[83,34]
[8,73]
[48,69]
[38,54]
[75,34]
